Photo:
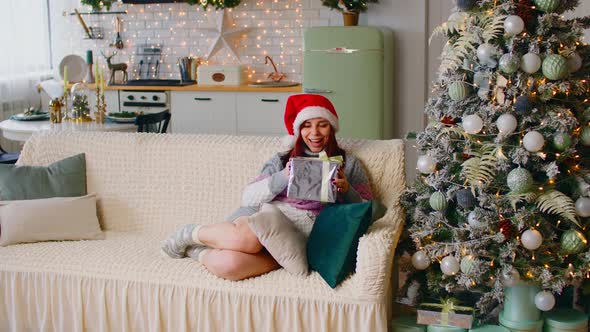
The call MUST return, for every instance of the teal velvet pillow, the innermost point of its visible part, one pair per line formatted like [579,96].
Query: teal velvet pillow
[333,241]
[64,178]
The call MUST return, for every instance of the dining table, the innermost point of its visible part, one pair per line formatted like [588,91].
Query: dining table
[20,131]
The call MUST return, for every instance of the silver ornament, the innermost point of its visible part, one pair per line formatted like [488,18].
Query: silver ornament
[574,62]
[530,63]
[533,141]
[509,63]
[426,164]
[472,220]
[506,124]
[531,239]
[420,260]
[449,266]
[583,207]
[519,180]
[513,25]
[472,124]
[485,52]
[544,301]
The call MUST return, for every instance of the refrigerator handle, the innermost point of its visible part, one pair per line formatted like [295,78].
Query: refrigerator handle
[312,90]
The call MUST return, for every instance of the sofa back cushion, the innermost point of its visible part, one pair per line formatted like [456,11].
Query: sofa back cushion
[151,182]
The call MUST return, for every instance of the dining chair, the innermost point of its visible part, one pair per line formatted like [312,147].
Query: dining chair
[153,122]
[8,158]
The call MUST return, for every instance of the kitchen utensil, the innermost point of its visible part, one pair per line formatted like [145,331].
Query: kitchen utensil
[148,69]
[76,68]
[140,67]
[157,67]
[118,41]
[81,20]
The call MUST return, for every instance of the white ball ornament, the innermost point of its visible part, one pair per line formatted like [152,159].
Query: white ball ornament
[472,220]
[426,164]
[420,260]
[472,124]
[506,124]
[531,239]
[513,25]
[574,62]
[485,52]
[533,141]
[544,301]
[449,266]
[583,207]
[510,279]
[530,63]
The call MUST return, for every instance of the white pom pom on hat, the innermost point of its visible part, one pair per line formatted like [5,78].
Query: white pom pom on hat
[288,142]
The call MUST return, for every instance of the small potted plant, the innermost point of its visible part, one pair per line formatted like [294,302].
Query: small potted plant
[350,9]
[98,5]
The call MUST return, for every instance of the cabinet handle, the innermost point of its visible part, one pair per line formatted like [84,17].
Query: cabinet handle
[270,100]
[202,99]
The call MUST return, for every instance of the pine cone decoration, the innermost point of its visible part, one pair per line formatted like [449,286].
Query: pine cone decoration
[507,228]
[527,13]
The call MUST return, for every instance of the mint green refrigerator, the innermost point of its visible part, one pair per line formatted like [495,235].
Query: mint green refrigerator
[353,67]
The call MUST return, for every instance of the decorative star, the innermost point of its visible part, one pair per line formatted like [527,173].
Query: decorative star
[226,29]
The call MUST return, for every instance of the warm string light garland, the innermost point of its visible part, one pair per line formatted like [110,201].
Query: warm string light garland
[276,29]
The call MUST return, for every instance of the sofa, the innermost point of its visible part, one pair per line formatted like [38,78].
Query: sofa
[147,185]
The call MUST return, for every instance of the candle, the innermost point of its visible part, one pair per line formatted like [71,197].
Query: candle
[65,79]
[96,78]
[102,82]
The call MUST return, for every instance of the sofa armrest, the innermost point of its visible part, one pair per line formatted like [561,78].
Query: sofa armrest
[375,253]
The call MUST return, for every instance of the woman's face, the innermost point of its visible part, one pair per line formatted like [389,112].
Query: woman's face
[315,133]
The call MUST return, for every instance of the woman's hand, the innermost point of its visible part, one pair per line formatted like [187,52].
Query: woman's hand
[341,182]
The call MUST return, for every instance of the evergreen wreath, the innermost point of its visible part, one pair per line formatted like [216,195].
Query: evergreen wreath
[348,5]
[98,4]
[219,4]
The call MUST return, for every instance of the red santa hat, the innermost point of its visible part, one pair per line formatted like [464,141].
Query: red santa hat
[303,107]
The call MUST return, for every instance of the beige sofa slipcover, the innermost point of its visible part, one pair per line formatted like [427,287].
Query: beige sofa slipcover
[147,184]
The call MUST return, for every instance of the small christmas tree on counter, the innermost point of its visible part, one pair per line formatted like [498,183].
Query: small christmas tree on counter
[503,193]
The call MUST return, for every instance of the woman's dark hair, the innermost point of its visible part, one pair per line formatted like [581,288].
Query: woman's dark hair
[332,148]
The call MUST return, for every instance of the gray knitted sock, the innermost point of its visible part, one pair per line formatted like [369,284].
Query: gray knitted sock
[175,246]
[194,251]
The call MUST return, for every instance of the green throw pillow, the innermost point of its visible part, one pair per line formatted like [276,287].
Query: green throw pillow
[333,242]
[64,178]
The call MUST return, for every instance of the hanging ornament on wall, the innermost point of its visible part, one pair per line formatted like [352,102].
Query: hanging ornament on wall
[574,62]
[544,301]
[506,228]
[583,207]
[467,264]
[449,266]
[513,25]
[465,4]
[531,239]
[420,260]
[547,6]
[510,279]
[506,123]
[472,124]
[458,90]
[519,180]
[562,141]
[509,63]
[533,141]
[530,63]
[485,53]
[585,136]
[555,67]
[465,198]
[572,242]
[523,105]
[438,201]
[426,164]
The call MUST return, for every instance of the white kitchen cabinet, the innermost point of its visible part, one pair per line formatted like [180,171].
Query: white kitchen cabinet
[203,112]
[229,112]
[261,113]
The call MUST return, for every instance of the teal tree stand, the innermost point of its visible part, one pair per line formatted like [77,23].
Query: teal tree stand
[520,313]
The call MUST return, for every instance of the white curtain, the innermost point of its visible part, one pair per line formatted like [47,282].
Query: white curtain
[24,56]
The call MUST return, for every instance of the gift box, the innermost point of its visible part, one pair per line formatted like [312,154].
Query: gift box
[311,178]
[445,314]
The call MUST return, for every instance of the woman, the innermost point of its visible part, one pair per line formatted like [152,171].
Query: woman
[230,249]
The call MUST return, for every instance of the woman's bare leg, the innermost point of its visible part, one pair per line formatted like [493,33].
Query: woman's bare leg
[236,236]
[236,265]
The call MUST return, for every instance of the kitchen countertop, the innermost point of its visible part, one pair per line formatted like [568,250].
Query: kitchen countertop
[199,87]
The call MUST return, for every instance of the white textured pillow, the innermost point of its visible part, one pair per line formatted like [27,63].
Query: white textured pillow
[281,238]
[49,219]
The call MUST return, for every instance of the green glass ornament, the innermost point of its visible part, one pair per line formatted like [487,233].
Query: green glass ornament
[555,67]
[467,264]
[519,180]
[572,242]
[509,63]
[585,136]
[438,201]
[548,6]
[562,141]
[458,91]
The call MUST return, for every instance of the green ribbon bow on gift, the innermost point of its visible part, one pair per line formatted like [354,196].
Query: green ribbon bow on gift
[447,306]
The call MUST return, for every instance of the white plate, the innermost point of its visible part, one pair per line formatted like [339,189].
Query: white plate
[76,68]
[120,120]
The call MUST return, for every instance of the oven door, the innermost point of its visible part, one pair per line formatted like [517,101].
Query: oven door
[145,102]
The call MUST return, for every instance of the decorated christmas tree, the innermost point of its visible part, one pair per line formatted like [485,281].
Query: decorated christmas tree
[503,190]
